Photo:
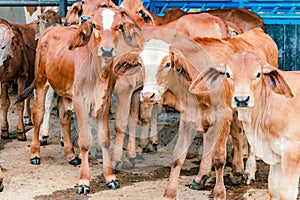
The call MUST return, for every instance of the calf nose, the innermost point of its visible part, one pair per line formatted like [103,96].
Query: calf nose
[242,101]
[107,52]
[148,96]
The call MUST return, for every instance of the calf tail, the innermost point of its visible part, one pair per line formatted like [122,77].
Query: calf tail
[26,93]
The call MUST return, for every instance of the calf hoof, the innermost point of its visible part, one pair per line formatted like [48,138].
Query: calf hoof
[153,148]
[1,185]
[44,141]
[83,189]
[35,161]
[21,136]
[233,180]
[201,185]
[196,186]
[4,134]
[62,144]
[246,179]
[76,161]
[130,164]
[28,124]
[114,184]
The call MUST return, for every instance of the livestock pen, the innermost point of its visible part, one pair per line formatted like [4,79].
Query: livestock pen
[54,178]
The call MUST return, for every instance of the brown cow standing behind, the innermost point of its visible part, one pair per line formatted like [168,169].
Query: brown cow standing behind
[267,101]
[177,64]
[77,65]
[17,58]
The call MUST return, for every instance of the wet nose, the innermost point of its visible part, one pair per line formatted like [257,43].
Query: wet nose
[107,52]
[148,96]
[242,101]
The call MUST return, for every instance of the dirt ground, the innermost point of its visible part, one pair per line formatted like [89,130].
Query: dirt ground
[56,179]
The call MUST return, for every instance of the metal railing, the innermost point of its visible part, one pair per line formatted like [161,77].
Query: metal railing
[271,11]
[61,3]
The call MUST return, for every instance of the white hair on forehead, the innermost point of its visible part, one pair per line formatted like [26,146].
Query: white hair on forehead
[157,44]
[108,19]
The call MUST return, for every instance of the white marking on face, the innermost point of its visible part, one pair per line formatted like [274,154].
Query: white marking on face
[108,19]
[153,53]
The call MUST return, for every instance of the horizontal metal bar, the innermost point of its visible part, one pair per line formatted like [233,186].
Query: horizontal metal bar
[32,3]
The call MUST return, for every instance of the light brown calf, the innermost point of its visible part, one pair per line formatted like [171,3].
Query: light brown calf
[77,65]
[267,101]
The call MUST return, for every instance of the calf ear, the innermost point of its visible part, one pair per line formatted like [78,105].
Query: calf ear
[274,79]
[82,35]
[132,35]
[204,80]
[127,63]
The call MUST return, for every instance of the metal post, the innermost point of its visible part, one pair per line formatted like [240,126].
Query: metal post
[63,8]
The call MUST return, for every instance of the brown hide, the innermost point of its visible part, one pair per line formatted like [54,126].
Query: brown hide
[76,62]
[17,69]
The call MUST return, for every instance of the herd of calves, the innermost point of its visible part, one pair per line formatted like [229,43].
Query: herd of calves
[218,69]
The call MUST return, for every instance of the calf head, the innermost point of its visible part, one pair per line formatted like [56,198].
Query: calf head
[47,19]
[103,28]
[6,37]
[84,7]
[159,61]
[247,76]
[137,10]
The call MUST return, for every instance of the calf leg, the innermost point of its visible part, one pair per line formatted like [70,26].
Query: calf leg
[65,121]
[145,117]
[290,173]
[84,143]
[37,116]
[104,141]
[44,130]
[153,131]
[274,181]
[249,175]
[237,134]
[206,163]
[27,111]
[5,103]
[129,161]
[122,117]
[185,138]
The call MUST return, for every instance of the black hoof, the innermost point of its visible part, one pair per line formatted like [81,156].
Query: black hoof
[35,161]
[130,164]
[83,189]
[196,186]
[1,185]
[114,184]
[247,180]
[201,185]
[4,134]
[76,161]
[62,144]
[29,124]
[44,142]
[21,137]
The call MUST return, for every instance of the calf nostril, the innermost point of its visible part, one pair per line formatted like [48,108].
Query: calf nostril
[148,96]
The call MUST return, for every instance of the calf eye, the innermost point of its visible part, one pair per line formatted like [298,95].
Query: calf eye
[167,65]
[258,75]
[82,2]
[227,75]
